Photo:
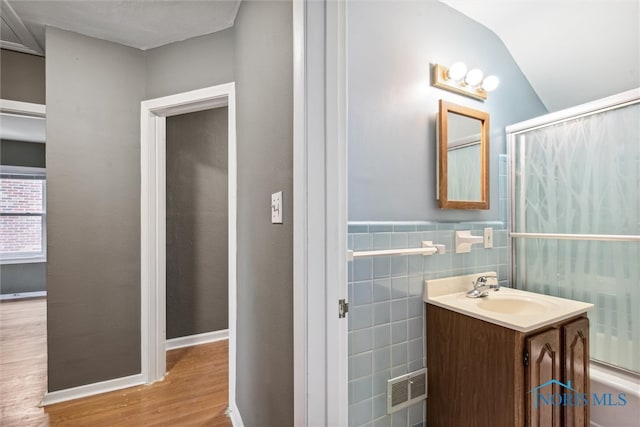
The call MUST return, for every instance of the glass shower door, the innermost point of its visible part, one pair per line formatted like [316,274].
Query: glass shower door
[576,221]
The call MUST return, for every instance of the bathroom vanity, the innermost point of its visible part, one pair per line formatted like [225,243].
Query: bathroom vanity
[504,359]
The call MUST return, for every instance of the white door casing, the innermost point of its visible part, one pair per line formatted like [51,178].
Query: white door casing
[153,225]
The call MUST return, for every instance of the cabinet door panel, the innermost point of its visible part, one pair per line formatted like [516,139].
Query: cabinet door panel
[543,375]
[576,369]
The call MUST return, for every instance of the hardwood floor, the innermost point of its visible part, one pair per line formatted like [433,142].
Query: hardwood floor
[194,392]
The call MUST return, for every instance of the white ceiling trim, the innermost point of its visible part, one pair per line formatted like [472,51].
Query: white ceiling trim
[28,43]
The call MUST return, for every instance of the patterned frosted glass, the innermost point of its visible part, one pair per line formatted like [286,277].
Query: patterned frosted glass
[583,177]
[464,175]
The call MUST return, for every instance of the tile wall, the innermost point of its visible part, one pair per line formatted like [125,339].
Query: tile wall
[386,313]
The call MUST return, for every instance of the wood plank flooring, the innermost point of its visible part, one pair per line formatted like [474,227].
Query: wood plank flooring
[194,392]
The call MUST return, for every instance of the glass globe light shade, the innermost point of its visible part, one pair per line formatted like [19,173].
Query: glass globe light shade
[490,83]
[474,77]
[457,71]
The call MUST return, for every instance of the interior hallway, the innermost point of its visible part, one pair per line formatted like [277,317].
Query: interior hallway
[194,392]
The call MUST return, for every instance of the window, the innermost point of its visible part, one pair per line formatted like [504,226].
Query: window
[22,215]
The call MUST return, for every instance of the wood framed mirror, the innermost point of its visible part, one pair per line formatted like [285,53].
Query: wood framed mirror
[463,157]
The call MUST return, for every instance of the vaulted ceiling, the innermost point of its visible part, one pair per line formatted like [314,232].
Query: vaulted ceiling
[571,51]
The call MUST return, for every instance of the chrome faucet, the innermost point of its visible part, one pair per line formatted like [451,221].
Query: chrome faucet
[481,287]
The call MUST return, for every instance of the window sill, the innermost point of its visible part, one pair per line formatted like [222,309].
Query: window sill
[23,261]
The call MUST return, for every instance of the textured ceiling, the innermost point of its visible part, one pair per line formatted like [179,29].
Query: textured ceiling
[143,24]
[571,51]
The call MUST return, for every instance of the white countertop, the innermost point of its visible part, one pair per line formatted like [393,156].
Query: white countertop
[511,308]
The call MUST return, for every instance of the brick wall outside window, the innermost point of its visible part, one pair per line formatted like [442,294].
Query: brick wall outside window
[21,234]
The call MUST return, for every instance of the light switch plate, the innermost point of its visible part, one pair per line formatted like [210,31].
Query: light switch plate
[488,238]
[276,208]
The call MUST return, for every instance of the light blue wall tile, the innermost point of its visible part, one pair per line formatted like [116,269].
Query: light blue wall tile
[399,240]
[399,354]
[382,335]
[360,414]
[399,370]
[445,226]
[362,242]
[399,287]
[399,265]
[415,327]
[360,341]
[362,269]
[414,365]
[426,227]
[404,227]
[360,317]
[415,349]
[415,264]
[357,228]
[381,290]
[381,267]
[381,359]
[380,381]
[398,310]
[379,228]
[383,422]
[399,332]
[381,240]
[350,241]
[400,418]
[415,239]
[350,271]
[416,286]
[360,389]
[360,365]
[379,406]
[381,312]
[362,293]
[415,305]
[416,413]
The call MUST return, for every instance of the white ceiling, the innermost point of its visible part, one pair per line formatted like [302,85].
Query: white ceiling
[571,51]
[143,24]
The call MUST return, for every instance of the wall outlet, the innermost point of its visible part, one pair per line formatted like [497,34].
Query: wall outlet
[276,208]
[488,238]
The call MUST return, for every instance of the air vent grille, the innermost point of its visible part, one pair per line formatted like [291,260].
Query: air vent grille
[400,392]
[405,390]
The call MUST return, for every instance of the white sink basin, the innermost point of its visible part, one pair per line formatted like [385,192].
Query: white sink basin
[512,308]
[513,304]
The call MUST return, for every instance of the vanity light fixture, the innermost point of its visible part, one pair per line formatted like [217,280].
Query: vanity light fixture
[457,79]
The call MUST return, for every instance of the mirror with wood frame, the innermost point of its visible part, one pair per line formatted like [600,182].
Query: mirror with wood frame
[463,157]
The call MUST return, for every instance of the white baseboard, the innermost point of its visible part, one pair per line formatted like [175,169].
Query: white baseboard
[91,389]
[234,414]
[198,339]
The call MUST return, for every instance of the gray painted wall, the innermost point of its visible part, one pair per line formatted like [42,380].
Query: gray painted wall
[191,64]
[94,90]
[93,124]
[197,223]
[264,58]
[392,107]
[22,77]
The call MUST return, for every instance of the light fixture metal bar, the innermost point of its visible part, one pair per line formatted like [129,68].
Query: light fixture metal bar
[440,81]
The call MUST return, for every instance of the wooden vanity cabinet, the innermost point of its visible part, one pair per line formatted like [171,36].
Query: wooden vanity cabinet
[479,374]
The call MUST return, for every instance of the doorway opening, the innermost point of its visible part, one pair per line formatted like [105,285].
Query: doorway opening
[154,114]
